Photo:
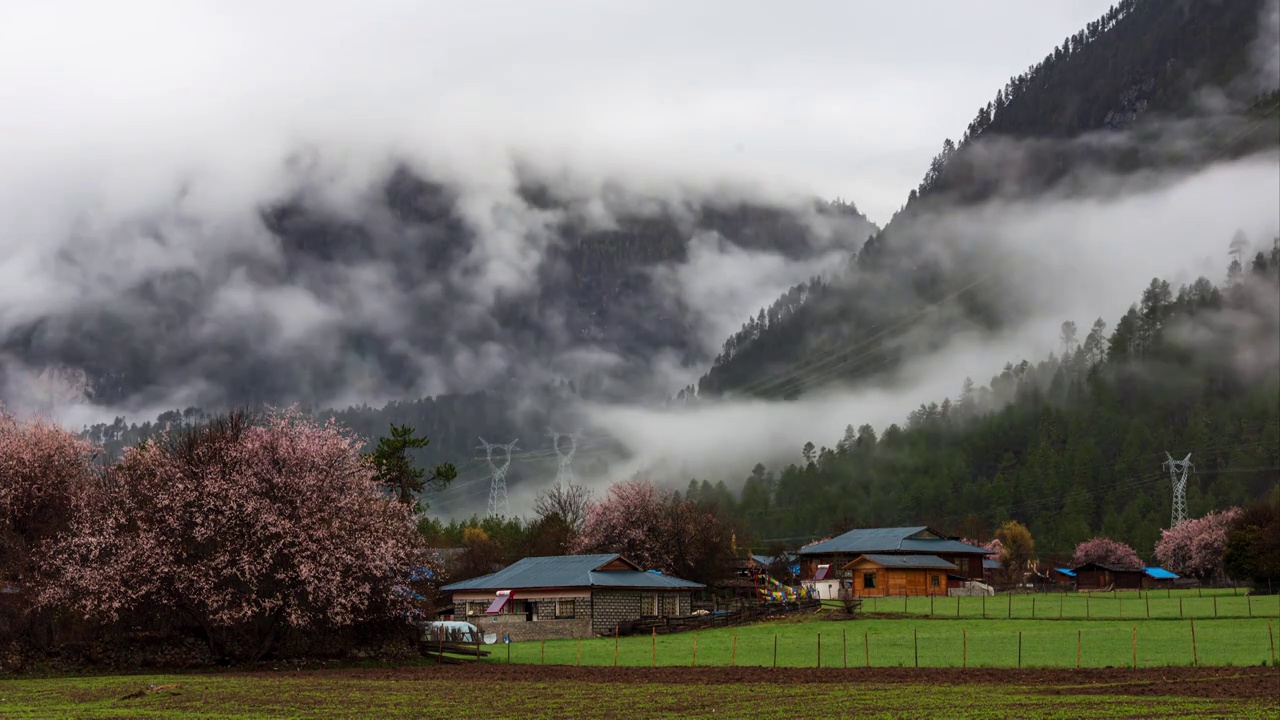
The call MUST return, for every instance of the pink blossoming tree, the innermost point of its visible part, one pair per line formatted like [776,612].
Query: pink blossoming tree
[247,528]
[656,529]
[42,468]
[1196,547]
[1108,552]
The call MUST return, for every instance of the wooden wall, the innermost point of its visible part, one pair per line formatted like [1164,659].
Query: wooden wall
[898,581]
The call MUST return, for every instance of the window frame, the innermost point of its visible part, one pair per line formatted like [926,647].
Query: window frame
[869,576]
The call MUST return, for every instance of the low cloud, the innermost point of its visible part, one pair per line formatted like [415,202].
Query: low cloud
[1055,259]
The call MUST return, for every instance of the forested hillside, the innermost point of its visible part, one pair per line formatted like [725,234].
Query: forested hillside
[1071,445]
[1151,85]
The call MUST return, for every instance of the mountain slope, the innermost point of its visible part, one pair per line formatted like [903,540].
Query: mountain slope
[411,287]
[1151,85]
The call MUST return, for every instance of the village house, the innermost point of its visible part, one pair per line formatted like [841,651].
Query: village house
[876,575]
[955,562]
[568,596]
[1099,576]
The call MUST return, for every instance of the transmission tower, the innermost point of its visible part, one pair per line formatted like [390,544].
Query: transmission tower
[1178,472]
[498,475]
[564,475]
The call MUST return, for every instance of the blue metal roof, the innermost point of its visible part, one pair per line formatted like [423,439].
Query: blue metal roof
[569,571]
[1066,571]
[1160,573]
[989,564]
[916,562]
[891,540]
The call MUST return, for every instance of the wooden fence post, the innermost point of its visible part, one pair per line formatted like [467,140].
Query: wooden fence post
[1060,597]
[844,648]
[866,646]
[1215,606]
[1079,634]
[964,644]
[915,641]
[775,649]
[984,606]
[1033,607]
[819,649]
[1195,655]
[1009,613]
[695,650]
[1086,607]
[508,651]
[1272,633]
[615,646]
[957,606]
[1135,647]
[733,654]
[1179,607]
[579,652]
[1019,648]
[1121,602]
[930,604]
[1249,599]
[653,651]
[1148,606]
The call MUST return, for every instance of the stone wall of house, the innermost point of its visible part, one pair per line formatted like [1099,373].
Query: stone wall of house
[519,629]
[616,606]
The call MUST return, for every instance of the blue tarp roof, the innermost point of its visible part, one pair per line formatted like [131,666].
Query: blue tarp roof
[891,540]
[1159,573]
[570,571]
[1066,571]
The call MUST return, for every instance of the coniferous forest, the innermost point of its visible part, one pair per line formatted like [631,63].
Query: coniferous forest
[1071,445]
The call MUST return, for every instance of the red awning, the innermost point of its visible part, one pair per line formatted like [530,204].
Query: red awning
[496,606]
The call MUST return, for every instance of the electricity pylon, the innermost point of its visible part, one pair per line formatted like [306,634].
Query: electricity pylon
[498,475]
[564,474]
[1178,472]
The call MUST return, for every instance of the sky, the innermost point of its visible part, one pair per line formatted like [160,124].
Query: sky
[847,99]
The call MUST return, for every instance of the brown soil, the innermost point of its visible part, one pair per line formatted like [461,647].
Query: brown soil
[1244,683]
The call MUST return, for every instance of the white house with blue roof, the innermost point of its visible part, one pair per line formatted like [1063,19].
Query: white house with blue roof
[567,596]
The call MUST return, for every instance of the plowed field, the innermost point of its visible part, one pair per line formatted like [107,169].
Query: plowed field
[524,691]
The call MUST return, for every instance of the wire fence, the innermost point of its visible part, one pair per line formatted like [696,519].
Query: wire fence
[1156,604]
[906,643]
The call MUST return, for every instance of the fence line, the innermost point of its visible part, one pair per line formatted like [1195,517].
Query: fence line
[1109,605]
[907,644]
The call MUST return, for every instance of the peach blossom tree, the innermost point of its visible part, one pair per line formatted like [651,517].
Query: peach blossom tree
[43,467]
[657,529]
[245,526]
[1196,547]
[1106,552]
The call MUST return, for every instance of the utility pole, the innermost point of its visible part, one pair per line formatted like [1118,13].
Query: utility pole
[564,474]
[1179,470]
[498,475]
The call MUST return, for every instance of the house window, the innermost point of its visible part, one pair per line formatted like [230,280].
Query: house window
[869,580]
[648,605]
[564,608]
[933,580]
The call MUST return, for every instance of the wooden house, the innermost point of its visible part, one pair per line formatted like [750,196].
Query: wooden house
[876,575]
[964,561]
[1097,576]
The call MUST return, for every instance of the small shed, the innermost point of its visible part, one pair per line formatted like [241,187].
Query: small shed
[824,585]
[1097,576]
[876,575]
[1154,577]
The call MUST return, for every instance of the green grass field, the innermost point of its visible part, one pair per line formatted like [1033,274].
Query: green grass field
[940,642]
[434,693]
[1126,604]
